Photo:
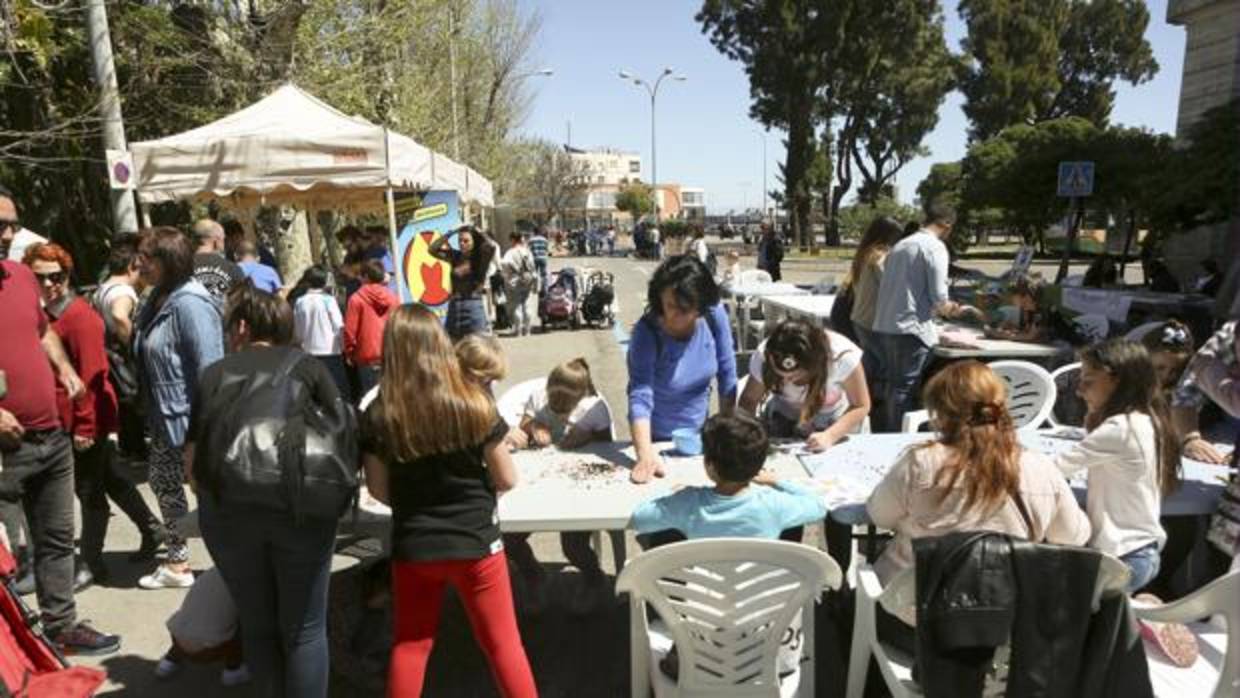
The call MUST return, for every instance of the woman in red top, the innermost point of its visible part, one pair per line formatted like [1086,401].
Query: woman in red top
[92,418]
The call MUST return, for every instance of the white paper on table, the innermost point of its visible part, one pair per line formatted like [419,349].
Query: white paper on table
[1093,301]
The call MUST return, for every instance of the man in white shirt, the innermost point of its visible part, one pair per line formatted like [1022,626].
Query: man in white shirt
[520,277]
[912,293]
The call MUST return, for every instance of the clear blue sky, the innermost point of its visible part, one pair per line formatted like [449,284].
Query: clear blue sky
[705,136]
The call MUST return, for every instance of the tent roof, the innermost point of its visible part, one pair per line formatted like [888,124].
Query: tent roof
[291,147]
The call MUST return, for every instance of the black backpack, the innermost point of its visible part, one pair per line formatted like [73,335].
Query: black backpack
[275,447]
[122,369]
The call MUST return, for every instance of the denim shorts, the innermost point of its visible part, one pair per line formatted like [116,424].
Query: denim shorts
[1143,563]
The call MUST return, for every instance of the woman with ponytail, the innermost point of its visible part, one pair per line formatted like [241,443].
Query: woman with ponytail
[973,476]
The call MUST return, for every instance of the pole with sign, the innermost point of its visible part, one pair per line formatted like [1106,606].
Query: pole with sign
[1076,181]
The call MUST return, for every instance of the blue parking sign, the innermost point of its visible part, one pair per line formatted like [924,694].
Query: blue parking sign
[1076,178]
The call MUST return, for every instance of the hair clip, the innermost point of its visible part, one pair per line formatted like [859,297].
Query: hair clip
[788,363]
[1174,336]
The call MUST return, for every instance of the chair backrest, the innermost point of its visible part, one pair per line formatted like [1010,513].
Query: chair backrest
[1092,327]
[727,603]
[1218,597]
[1031,392]
[511,405]
[1069,409]
[1138,333]
[755,276]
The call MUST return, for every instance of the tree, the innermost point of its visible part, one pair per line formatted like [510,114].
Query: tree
[552,181]
[893,120]
[856,218]
[1027,61]
[941,185]
[779,42]
[637,199]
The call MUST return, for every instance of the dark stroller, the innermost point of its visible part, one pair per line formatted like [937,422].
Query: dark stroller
[559,304]
[597,299]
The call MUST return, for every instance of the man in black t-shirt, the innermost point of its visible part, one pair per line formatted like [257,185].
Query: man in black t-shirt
[211,268]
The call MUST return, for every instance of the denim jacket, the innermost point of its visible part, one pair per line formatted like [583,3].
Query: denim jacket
[174,343]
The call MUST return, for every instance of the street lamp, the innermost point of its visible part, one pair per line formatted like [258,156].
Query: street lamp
[547,72]
[653,91]
[764,209]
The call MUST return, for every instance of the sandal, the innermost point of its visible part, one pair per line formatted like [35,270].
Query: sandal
[1176,641]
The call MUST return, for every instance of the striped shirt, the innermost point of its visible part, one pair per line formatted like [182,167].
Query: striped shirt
[538,246]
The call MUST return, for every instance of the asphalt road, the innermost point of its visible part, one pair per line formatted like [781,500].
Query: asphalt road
[571,655]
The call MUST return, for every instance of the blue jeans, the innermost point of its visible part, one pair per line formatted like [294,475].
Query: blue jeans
[1143,563]
[904,359]
[278,573]
[467,316]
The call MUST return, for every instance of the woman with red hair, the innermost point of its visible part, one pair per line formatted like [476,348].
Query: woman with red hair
[92,418]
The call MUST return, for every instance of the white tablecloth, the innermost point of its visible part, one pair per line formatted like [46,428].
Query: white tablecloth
[847,473]
[589,490]
[815,308]
[769,288]
[983,348]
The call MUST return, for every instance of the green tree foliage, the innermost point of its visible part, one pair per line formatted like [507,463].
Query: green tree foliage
[898,106]
[180,65]
[550,180]
[1196,184]
[637,199]
[941,185]
[856,218]
[1035,60]
[780,43]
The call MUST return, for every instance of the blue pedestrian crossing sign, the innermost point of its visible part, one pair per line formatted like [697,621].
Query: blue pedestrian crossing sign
[1076,178]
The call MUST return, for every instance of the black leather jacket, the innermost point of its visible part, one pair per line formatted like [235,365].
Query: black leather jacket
[975,590]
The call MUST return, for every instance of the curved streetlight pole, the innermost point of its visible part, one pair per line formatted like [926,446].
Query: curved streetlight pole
[653,91]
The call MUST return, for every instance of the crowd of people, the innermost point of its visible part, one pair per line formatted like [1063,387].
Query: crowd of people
[248,392]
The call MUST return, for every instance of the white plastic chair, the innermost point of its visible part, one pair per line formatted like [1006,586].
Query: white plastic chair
[1031,392]
[1063,378]
[725,603]
[1217,670]
[1031,396]
[899,598]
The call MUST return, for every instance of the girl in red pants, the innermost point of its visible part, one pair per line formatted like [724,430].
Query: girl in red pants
[434,451]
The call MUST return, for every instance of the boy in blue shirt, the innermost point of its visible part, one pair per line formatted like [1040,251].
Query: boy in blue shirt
[745,502]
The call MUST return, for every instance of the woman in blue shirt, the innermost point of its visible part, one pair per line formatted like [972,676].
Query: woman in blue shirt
[681,342]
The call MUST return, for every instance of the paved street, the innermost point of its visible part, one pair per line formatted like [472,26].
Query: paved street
[563,664]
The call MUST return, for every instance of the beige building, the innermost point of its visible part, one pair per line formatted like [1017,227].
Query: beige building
[1211,78]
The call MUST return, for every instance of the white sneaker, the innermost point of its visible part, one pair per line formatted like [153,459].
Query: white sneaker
[164,578]
[235,677]
[166,668]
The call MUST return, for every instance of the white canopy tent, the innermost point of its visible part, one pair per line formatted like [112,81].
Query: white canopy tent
[292,148]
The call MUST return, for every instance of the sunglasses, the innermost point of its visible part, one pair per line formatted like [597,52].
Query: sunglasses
[11,225]
[56,277]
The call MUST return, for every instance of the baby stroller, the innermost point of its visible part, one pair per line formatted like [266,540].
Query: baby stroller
[597,298]
[29,664]
[559,304]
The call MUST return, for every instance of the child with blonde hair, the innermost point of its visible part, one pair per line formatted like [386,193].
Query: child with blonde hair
[567,413]
[482,360]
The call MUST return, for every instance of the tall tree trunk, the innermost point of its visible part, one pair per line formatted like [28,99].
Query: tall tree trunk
[293,249]
[796,166]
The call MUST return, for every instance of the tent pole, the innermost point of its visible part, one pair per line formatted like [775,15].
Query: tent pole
[394,250]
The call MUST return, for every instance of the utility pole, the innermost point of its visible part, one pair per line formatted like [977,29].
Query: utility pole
[456,139]
[653,90]
[764,209]
[124,213]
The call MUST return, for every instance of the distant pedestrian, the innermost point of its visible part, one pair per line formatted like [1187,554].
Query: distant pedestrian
[264,278]
[319,328]
[539,248]
[611,240]
[520,277]
[770,252]
[470,261]
[364,319]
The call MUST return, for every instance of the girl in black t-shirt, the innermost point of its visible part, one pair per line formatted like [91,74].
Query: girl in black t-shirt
[434,450]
